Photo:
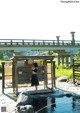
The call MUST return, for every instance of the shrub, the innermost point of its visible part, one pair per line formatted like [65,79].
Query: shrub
[0,68]
[62,71]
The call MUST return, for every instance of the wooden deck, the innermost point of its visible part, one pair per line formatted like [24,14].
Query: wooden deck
[42,91]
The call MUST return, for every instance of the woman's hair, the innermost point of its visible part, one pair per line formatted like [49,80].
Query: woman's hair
[35,64]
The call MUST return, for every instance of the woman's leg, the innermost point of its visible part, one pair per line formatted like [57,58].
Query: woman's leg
[36,87]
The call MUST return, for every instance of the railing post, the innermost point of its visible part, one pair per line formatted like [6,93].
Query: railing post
[62,42]
[11,42]
[53,43]
[33,42]
[57,39]
[43,42]
[22,42]
[73,39]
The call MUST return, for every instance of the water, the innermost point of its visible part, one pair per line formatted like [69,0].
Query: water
[56,105]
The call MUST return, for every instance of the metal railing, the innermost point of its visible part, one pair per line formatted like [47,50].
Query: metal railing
[30,42]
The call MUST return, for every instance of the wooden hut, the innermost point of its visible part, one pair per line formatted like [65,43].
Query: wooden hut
[21,71]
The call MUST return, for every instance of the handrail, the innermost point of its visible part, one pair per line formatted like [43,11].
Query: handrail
[30,42]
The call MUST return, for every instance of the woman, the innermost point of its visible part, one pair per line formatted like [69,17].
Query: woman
[34,79]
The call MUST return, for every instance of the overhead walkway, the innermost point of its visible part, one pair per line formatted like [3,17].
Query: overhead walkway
[31,42]
[64,48]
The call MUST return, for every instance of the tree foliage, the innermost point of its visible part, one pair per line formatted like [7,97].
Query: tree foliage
[1,56]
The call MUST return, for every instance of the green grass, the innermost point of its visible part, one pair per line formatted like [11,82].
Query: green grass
[60,71]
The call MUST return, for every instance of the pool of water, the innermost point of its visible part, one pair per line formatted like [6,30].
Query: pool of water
[56,105]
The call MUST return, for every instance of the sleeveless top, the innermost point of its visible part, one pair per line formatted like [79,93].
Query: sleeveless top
[34,70]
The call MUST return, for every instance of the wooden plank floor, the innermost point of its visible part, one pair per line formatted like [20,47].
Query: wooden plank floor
[42,91]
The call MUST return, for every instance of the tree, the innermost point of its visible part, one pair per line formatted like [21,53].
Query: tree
[1,55]
[78,53]
[50,53]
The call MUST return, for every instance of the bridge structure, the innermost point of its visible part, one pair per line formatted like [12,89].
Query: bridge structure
[65,49]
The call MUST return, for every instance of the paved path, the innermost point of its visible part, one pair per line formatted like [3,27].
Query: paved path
[10,103]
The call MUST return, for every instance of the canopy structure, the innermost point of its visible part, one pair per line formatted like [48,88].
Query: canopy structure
[22,71]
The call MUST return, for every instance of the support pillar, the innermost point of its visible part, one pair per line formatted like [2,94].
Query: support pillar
[66,60]
[62,60]
[71,60]
[58,60]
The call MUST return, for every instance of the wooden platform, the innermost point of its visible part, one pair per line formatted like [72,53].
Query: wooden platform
[43,91]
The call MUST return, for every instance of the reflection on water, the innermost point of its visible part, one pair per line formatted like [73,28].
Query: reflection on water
[76,105]
[44,105]
[56,105]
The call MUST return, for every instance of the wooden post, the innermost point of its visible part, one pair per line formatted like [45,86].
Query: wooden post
[3,77]
[45,74]
[16,78]
[73,72]
[13,76]
[54,78]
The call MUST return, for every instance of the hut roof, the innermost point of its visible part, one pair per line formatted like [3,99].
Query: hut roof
[33,57]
